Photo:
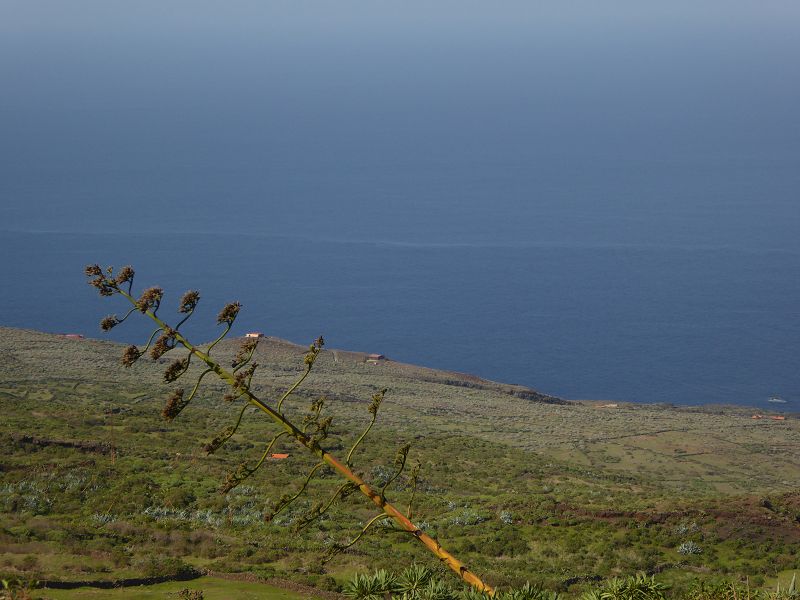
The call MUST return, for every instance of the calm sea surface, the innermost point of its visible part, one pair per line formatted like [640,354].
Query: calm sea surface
[599,206]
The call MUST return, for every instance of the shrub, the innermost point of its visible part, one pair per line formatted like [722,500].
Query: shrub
[163,566]
[638,587]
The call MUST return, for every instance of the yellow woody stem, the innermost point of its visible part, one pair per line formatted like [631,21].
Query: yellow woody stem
[397,516]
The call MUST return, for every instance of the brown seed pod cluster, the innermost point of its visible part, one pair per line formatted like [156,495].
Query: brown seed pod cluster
[176,369]
[189,301]
[150,299]
[229,313]
[131,355]
[175,404]
[109,323]
[164,343]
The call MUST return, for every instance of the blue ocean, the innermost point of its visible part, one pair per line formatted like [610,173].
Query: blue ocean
[596,203]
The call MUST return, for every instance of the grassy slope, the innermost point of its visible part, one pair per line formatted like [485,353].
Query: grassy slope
[588,490]
[213,589]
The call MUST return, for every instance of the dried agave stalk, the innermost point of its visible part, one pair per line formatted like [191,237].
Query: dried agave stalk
[313,430]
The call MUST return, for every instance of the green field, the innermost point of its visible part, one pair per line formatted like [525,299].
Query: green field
[212,588]
[520,486]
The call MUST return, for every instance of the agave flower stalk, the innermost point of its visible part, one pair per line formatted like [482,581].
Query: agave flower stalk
[239,380]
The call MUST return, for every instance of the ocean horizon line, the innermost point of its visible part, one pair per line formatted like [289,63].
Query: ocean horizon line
[417,244]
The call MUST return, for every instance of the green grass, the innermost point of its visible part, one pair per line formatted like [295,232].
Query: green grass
[213,589]
[592,491]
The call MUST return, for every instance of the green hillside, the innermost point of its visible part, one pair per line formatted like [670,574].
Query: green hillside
[519,485]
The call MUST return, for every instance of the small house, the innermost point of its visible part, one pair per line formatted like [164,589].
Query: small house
[373,359]
[277,456]
[254,334]
[757,417]
[72,336]
[778,418]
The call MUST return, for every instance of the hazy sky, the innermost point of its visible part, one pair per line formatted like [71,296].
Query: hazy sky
[707,59]
[381,92]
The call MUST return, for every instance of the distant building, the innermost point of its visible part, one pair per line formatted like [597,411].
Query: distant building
[757,417]
[72,336]
[254,334]
[778,418]
[374,358]
[279,456]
